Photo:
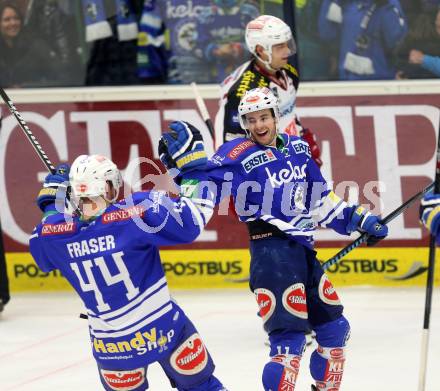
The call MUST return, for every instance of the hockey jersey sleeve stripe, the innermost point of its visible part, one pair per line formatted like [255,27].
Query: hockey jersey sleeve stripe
[334,214]
[146,308]
[136,327]
[135,302]
[35,235]
[202,216]
[330,203]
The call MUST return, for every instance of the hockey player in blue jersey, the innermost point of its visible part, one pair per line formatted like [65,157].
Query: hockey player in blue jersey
[430,214]
[109,254]
[281,195]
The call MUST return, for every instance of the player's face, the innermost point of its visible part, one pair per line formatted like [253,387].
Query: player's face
[94,206]
[10,23]
[280,55]
[91,206]
[262,127]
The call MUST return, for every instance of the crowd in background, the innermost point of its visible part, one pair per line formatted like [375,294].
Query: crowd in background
[48,43]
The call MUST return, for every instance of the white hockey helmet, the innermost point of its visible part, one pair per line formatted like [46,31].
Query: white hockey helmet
[267,31]
[89,175]
[255,100]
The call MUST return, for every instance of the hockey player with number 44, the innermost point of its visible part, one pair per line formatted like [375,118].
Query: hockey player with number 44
[281,195]
[108,252]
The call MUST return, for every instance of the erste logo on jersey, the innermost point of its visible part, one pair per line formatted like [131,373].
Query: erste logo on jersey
[122,214]
[239,149]
[257,159]
[300,146]
[123,380]
[57,229]
[294,300]
[190,357]
[266,302]
[327,292]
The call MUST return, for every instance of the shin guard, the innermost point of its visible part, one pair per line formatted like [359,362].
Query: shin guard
[281,372]
[327,361]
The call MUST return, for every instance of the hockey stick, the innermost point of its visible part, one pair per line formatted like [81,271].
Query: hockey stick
[363,238]
[203,110]
[429,285]
[29,135]
[4,283]
[34,142]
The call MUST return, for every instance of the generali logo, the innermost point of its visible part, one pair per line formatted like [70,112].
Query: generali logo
[56,229]
[122,214]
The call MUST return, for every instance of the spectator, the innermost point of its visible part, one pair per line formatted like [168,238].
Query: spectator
[429,62]
[25,60]
[48,20]
[206,39]
[113,51]
[367,30]
[315,60]
[423,37]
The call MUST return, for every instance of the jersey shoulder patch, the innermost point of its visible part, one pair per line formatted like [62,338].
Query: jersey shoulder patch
[58,227]
[300,146]
[231,151]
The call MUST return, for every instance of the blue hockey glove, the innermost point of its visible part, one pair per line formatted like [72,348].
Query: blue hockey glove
[164,155]
[54,184]
[364,221]
[185,147]
[430,213]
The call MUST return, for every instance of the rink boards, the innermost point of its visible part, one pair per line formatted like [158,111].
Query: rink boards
[192,269]
[378,146]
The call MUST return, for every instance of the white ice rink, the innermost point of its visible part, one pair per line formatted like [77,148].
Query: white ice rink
[44,345]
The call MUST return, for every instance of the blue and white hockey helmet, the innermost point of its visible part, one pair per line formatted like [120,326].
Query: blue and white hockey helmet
[89,175]
[255,100]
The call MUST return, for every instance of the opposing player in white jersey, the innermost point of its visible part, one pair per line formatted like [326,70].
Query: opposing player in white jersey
[108,252]
[272,45]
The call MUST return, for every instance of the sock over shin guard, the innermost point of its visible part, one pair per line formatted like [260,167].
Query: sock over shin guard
[327,361]
[281,372]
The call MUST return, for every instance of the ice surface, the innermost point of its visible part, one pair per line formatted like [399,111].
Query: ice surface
[44,345]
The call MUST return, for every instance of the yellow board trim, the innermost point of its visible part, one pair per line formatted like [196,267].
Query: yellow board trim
[194,269]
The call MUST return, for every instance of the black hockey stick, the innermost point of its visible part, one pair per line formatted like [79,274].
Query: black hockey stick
[4,283]
[429,284]
[203,111]
[363,238]
[29,135]
[34,142]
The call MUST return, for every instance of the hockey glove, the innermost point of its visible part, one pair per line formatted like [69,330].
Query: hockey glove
[364,221]
[185,147]
[55,184]
[430,214]
[165,156]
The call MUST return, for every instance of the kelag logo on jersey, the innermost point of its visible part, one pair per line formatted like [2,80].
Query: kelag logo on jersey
[301,147]
[286,175]
[257,159]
